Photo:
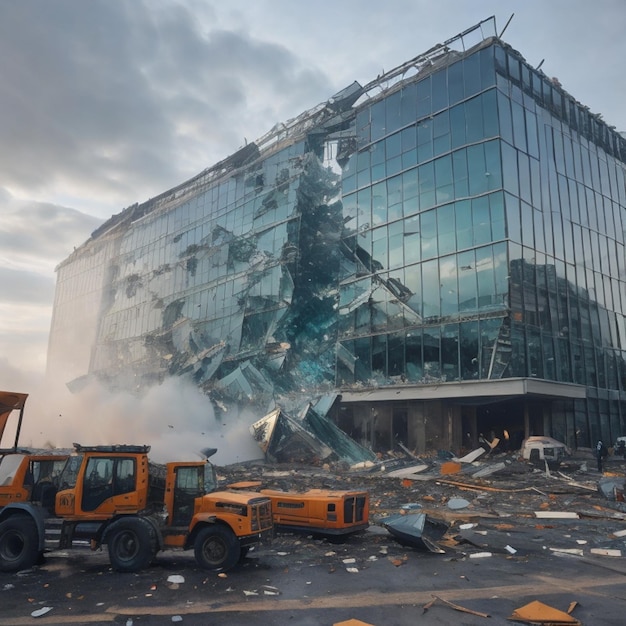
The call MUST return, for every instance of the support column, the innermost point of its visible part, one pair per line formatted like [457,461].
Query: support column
[416,427]
[526,421]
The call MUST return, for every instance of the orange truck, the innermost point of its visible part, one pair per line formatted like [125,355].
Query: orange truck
[320,511]
[113,496]
[326,512]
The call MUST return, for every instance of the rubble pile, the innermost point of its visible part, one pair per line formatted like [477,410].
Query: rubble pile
[498,504]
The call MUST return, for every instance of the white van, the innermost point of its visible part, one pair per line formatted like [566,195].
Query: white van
[540,449]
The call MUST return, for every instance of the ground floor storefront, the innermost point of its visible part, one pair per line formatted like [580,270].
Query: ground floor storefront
[457,416]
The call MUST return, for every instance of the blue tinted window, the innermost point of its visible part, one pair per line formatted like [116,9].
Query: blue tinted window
[477,169]
[408,104]
[461,177]
[514,228]
[379,202]
[394,165]
[446,228]
[514,68]
[378,123]
[468,286]
[439,90]
[409,184]
[496,210]
[426,178]
[412,237]
[393,145]
[409,138]
[481,221]
[464,227]
[490,113]
[430,288]
[509,169]
[441,133]
[448,284]
[443,179]
[377,153]
[474,120]
[392,112]
[424,103]
[394,190]
[493,165]
[500,59]
[524,177]
[457,126]
[519,126]
[487,68]
[485,277]
[531,133]
[471,71]
[428,225]
[455,82]
[504,114]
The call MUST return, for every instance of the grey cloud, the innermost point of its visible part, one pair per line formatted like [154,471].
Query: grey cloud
[40,231]
[24,287]
[102,91]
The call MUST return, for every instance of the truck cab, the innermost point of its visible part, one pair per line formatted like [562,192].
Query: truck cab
[29,477]
[98,482]
[202,516]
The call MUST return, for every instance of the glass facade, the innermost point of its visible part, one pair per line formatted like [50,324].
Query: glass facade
[463,225]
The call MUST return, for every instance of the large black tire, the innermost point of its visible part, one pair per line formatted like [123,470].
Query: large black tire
[216,548]
[19,543]
[132,544]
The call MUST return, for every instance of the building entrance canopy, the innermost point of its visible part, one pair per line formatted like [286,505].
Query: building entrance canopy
[471,391]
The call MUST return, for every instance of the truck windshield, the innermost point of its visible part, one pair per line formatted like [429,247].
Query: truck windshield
[8,466]
[196,479]
[210,478]
[69,475]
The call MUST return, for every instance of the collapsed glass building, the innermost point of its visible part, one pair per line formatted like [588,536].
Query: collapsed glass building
[440,252]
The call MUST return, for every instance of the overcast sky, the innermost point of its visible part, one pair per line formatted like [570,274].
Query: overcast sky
[104,103]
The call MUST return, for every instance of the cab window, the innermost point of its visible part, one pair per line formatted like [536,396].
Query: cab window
[8,467]
[107,477]
[69,475]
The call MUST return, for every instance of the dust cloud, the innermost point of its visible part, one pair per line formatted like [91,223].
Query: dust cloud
[174,418]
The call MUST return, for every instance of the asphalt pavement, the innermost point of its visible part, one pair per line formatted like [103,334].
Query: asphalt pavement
[497,556]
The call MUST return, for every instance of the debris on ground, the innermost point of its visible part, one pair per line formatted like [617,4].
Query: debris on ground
[511,507]
[416,530]
[176,579]
[539,613]
[456,607]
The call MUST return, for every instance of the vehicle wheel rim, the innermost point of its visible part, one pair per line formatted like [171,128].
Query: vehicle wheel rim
[127,546]
[214,550]
[12,546]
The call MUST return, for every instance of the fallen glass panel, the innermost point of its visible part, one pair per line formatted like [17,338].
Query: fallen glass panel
[344,447]
[284,441]
[416,530]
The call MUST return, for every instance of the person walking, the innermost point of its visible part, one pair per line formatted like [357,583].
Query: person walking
[601,453]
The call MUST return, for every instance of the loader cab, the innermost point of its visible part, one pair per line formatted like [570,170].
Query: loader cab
[29,477]
[45,471]
[185,483]
[100,481]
